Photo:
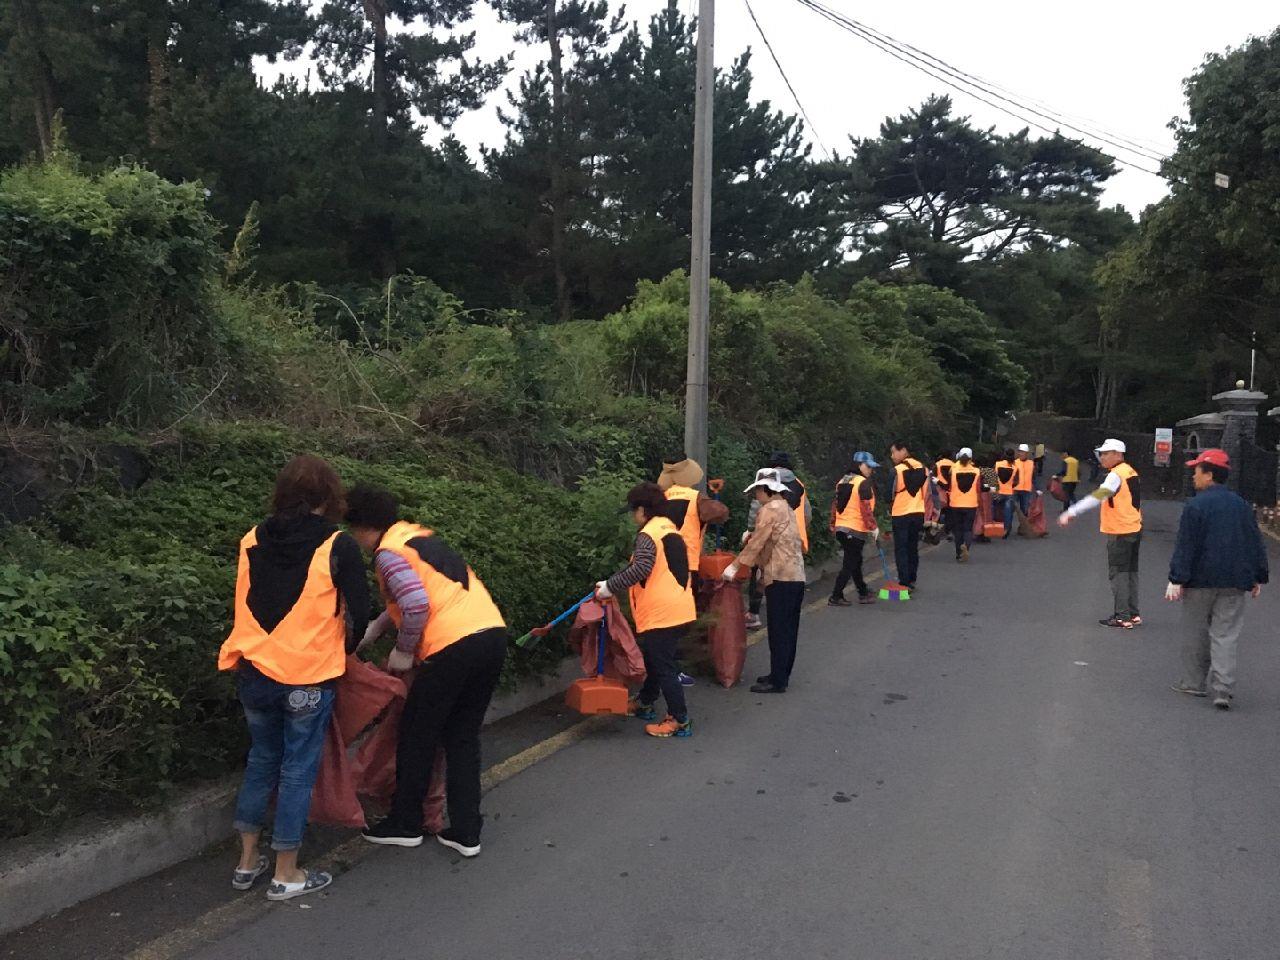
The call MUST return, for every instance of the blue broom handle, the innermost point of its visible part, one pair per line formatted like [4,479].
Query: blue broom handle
[602,634]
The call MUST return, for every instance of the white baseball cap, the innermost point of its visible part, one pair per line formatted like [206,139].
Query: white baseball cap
[1023,448]
[768,478]
[964,452]
[1111,445]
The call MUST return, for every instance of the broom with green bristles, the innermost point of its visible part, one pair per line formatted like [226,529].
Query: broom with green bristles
[892,589]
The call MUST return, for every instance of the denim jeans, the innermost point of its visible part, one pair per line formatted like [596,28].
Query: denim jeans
[1005,505]
[287,726]
[1024,498]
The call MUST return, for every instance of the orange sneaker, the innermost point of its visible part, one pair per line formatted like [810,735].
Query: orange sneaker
[670,727]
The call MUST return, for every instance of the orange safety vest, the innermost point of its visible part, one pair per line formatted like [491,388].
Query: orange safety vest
[966,485]
[690,527]
[908,487]
[801,524]
[850,518]
[309,645]
[665,599]
[1122,513]
[1005,471]
[1024,476]
[942,470]
[460,604]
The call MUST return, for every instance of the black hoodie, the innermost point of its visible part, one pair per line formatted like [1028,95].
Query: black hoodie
[278,570]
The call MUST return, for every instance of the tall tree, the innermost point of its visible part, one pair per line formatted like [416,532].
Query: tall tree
[586,25]
[933,191]
[421,68]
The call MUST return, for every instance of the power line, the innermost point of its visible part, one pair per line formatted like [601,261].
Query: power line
[785,79]
[961,83]
[1092,127]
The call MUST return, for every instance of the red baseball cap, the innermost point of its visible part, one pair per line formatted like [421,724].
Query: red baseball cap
[1213,456]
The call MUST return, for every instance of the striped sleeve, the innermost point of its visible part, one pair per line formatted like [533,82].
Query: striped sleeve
[410,596]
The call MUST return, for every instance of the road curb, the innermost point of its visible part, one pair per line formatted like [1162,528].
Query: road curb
[41,875]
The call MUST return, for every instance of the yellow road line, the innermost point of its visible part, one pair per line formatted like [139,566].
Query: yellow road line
[219,921]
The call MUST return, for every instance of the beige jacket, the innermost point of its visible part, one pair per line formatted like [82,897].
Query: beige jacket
[775,546]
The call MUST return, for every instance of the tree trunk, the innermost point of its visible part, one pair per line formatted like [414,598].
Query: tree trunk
[44,102]
[383,229]
[564,306]
[157,73]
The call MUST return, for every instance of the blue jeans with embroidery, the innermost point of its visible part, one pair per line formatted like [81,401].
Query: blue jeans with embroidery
[287,726]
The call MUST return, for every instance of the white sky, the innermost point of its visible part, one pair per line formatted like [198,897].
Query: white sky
[1120,65]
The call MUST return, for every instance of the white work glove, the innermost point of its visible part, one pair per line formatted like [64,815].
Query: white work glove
[730,572]
[400,661]
[1065,520]
[746,535]
[1173,592]
[371,635]
[875,534]
[602,590]
[1256,591]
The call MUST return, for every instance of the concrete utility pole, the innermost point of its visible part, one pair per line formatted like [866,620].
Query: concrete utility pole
[697,375]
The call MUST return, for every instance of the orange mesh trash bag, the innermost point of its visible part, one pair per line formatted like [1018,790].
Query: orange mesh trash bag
[727,635]
[374,769]
[1033,521]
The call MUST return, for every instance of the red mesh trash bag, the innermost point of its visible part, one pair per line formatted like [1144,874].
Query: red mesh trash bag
[374,769]
[363,693]
[932,502]
[1035,520]
[982,516]
[727,635]
[333,798]
[1056,491]
[622,657]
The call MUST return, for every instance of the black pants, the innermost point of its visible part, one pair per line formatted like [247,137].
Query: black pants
[661,650]
[906,546]
[852,569]
[755,595]
[785,598]
[446,705]
[1070,490]
[962,526]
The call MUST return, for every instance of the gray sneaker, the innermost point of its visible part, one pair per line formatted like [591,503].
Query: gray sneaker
[1222,701]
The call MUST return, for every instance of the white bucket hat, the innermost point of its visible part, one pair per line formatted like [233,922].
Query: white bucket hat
[1023,448]
[964,452]
[767,478]
[1111,445]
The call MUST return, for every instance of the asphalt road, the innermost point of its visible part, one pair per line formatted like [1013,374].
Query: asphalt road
[980,772]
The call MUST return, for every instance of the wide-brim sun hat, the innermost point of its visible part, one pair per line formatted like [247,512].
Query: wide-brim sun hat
[1111,445]
[964,452]
[680,473]
[767,478]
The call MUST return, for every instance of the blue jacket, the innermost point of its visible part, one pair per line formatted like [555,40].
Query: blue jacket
[1219,544]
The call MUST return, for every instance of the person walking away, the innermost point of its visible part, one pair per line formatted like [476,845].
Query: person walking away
[942,478]
[775,547]
[1069,476]
[853,521]
[1006,472]
[301,605]
[1039,460]
[907,511]
[966,488]
[660,588]
[1120,500]
[1024,480]
[449,627]
[797,495]
[1218,558]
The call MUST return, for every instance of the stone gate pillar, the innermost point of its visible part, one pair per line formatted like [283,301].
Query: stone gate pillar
[1239,409]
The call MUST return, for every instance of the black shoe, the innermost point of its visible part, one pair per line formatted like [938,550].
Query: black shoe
[390,834]
[839,602]
[467,846]
[766,678]
[765,687]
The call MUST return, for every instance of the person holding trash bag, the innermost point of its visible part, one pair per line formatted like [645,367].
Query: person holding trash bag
[660,585]
[776,548]
[1119,500]
[853,521]
[1069,476]
[1024,479]
[301,603]
[450,628]
[966,489]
